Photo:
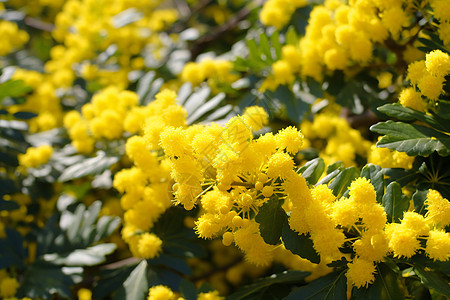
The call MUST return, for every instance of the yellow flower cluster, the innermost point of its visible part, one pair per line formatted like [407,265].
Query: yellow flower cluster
[110,113]
[43,100]
[441,11]
[36,156]
[278,12]
[161,292]
[387,158]
[87,27]
[427,79]
[335,139]
[12,37]
[8,285]
[146,184]
[216,71]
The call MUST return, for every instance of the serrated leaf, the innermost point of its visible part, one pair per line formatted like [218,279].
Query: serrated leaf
[136,285]
[271,218]
[312,170]
[287,277]
[82,257]
[387,286]
[90,166]
[394,202]
[302,245]
[412,139]
[376,176]
[433,280]
[342,181]
[332,286]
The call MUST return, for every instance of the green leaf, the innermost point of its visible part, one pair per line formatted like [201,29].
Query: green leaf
[271,218]
[401,176]
[312,170]
[90,166]
[342,181]
[188,290]
[443,109]
[82,257]
[24,115]
[299,244]
[412,139]
[433,280]
[13,88]
[42,280]
[375,174]
[419,198]
[8,205]
[387,286]
[287,277]
[394,202]
[295,107]
[329,177]
[398,111]
[111,280]
[332,286]
[136,285]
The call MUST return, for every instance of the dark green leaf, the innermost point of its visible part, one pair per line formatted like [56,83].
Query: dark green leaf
[375,174]
[287,277]
[188,290]
[90,166]
[24,115]
[312,170]
[387,286]
[332,286]
[342,181]
[412,139]
[42,280]
[401,176]
[394,202]
[295,108]
[301,245]
[271,218]
[402,113]
[433,280]
[172,262]
[443,109]
[419,198]
[136,285]
[111,280]
[8,205]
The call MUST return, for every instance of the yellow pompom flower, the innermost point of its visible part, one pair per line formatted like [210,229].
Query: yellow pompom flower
[289,138]
[438,245]
[84,294]
[280,165]
[402,241]
[255,117]
[438,63]
[441,9]
[394,18]
[36,156]
[384,80]
[372,247]
[438,208]
[409,97]
[416,223]
[416,70]
[283,72]
[345,212]
[160,292]
[431,86]
[8,287]
[214,295]
[149,245]
[361,272]
[362,191]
